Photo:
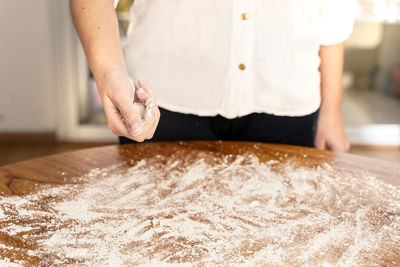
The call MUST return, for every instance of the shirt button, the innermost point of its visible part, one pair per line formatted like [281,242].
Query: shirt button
[242,67]
[245,16]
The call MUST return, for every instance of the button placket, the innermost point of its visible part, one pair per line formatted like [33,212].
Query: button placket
[241,54]
[244,42]
[243,29]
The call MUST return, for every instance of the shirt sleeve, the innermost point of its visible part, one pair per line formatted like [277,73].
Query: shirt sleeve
[116,3]
[337,21]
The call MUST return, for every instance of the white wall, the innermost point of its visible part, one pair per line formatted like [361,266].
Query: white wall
[27,73]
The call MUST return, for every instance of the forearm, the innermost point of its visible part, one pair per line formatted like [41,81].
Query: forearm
[330,131]
[97,26]
[331,70]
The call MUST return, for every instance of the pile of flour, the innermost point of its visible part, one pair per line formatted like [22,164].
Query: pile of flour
[208,210]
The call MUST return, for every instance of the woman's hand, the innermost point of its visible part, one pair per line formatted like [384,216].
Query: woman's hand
[118,92]
[97,26]
[330,132]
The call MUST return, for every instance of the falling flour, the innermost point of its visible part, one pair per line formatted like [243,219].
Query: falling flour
[229,210]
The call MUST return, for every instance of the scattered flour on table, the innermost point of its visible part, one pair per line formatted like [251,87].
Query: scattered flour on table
[230,210]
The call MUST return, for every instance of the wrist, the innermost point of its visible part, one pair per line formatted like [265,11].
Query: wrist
[330,107]
[330,114]
[326,110]
[107,74]
[331,99]
[102,70]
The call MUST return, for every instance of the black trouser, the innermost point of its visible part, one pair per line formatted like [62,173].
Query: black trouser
[258,127]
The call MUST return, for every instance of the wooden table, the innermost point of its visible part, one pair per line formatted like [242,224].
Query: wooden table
[25,176]
[28,176]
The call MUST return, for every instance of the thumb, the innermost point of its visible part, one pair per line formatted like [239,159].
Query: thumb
[320,143]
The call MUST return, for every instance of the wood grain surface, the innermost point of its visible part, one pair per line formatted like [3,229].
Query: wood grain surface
[28,176]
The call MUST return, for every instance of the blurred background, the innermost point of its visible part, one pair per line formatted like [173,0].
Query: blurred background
[49,101]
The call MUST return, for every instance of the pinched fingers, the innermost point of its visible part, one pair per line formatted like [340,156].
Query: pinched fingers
[130,116]
[152,115]
[124,119]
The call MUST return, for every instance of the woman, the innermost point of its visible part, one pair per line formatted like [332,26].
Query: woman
[252,70]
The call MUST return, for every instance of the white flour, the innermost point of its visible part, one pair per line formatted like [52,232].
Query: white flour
[226,210]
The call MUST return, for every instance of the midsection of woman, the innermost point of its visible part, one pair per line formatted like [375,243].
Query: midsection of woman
[234,58]
[269,66]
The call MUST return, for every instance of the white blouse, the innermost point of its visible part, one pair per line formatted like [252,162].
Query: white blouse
[234,57]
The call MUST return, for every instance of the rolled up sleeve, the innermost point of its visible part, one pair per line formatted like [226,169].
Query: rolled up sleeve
[337,21]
